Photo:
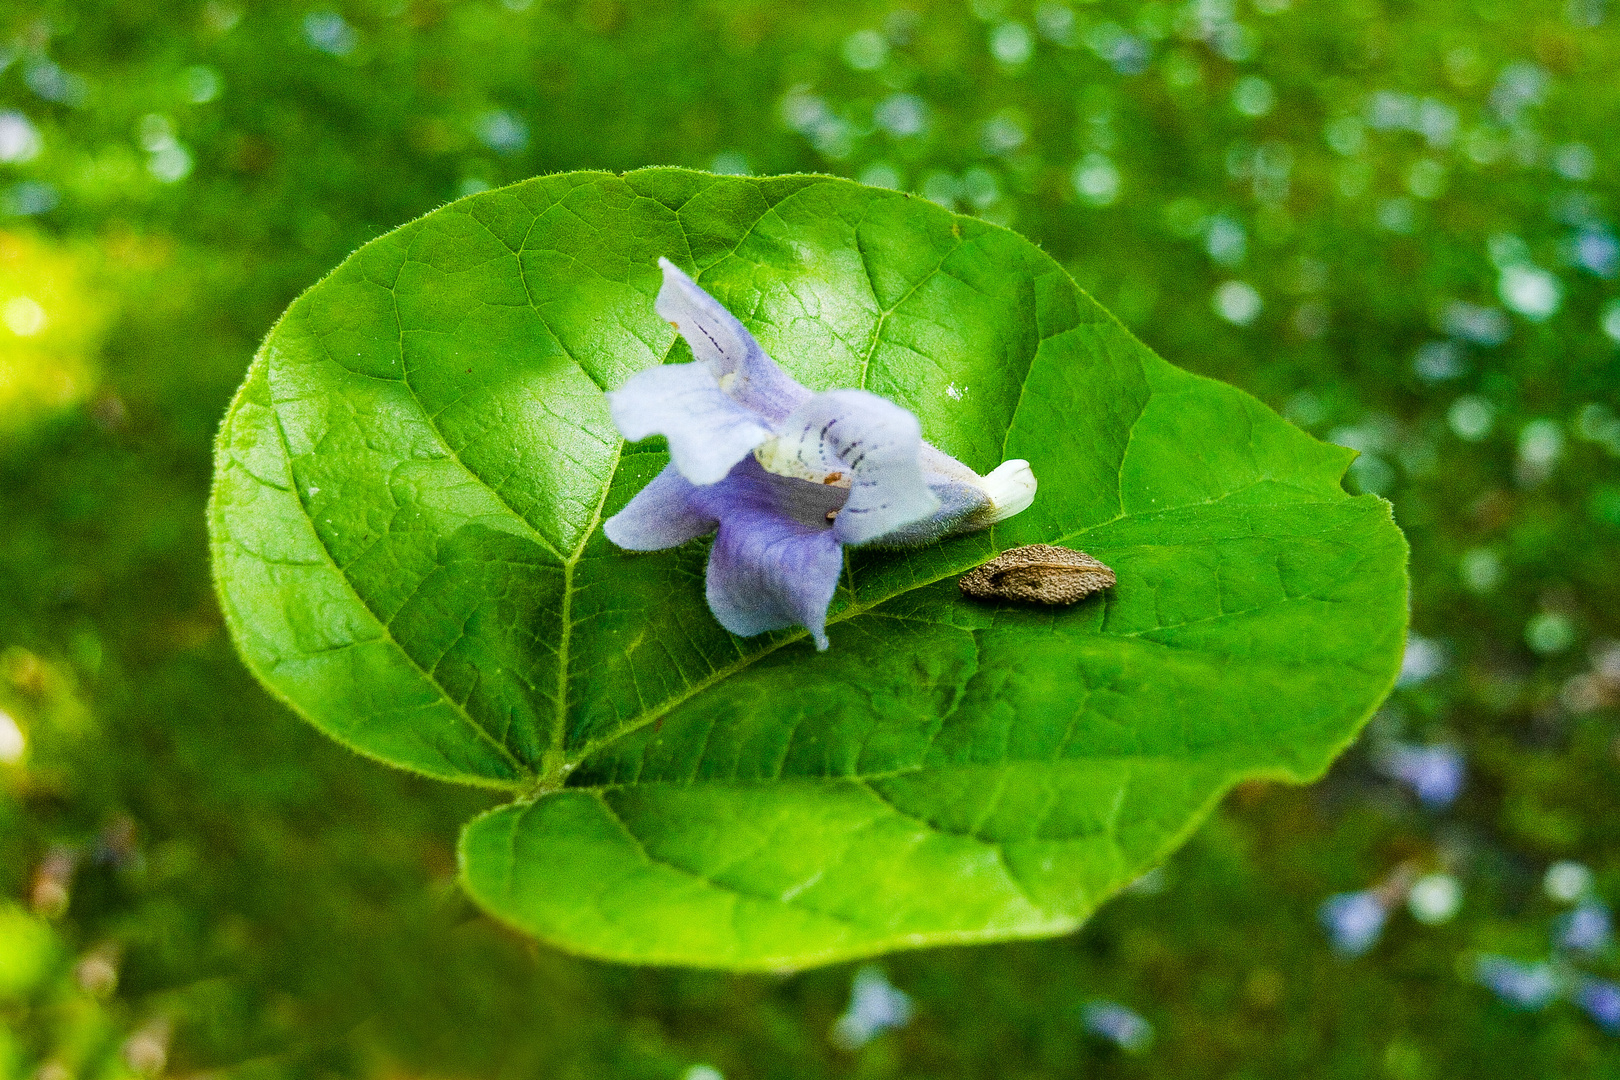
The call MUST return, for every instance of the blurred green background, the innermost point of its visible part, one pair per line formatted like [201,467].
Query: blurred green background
[1392,221]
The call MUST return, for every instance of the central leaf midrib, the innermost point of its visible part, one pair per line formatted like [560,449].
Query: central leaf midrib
[896,774]
[557,756]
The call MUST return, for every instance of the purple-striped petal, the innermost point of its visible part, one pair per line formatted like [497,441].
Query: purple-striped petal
[662,515]
[726,347]
[708,432]
[776,559]
[869,444]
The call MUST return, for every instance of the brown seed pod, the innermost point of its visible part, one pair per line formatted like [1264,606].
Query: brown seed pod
[1038,574]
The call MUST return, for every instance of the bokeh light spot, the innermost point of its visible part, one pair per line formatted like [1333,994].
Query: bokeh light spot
[23,316]
[1237,302]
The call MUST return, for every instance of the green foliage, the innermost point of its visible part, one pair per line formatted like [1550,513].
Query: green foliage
[406,538]
[27,949]
[295,911]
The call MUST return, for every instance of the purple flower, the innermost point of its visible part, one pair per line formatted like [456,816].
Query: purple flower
[1119,1025]
[1531,987]
[1354,920]
[1597,251]
[875,1006]
[1601,1000]
[1588,929]
[1433,773]
[784,477]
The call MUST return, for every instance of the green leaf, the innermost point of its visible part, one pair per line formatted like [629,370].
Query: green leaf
[28,950]
[406,538]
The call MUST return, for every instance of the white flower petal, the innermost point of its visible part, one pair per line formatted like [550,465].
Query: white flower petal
[1011,489]
[967,501]
[708,432]
[726,347]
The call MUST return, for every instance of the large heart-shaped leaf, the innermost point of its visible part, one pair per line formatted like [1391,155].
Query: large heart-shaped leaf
[406,537]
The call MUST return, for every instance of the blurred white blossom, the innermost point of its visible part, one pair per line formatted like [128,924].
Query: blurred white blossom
[19,139]
[1566,881]
[1434,899]
[1237,302]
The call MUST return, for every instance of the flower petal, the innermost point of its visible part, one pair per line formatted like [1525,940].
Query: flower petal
[868,442]
[967,501]
[776,559]
[726,347]
[708,432]
[663,514]
[1011,488]
[961,506]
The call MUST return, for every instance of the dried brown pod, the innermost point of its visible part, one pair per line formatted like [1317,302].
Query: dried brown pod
[1038,574]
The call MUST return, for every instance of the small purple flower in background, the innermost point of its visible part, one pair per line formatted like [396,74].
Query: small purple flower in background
[1119,1025]
[1595,250]
[875,1006]
[1354,920]
[786,477]
[1433,773]
[1588,929]
[1530,987]
[1601,1000]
